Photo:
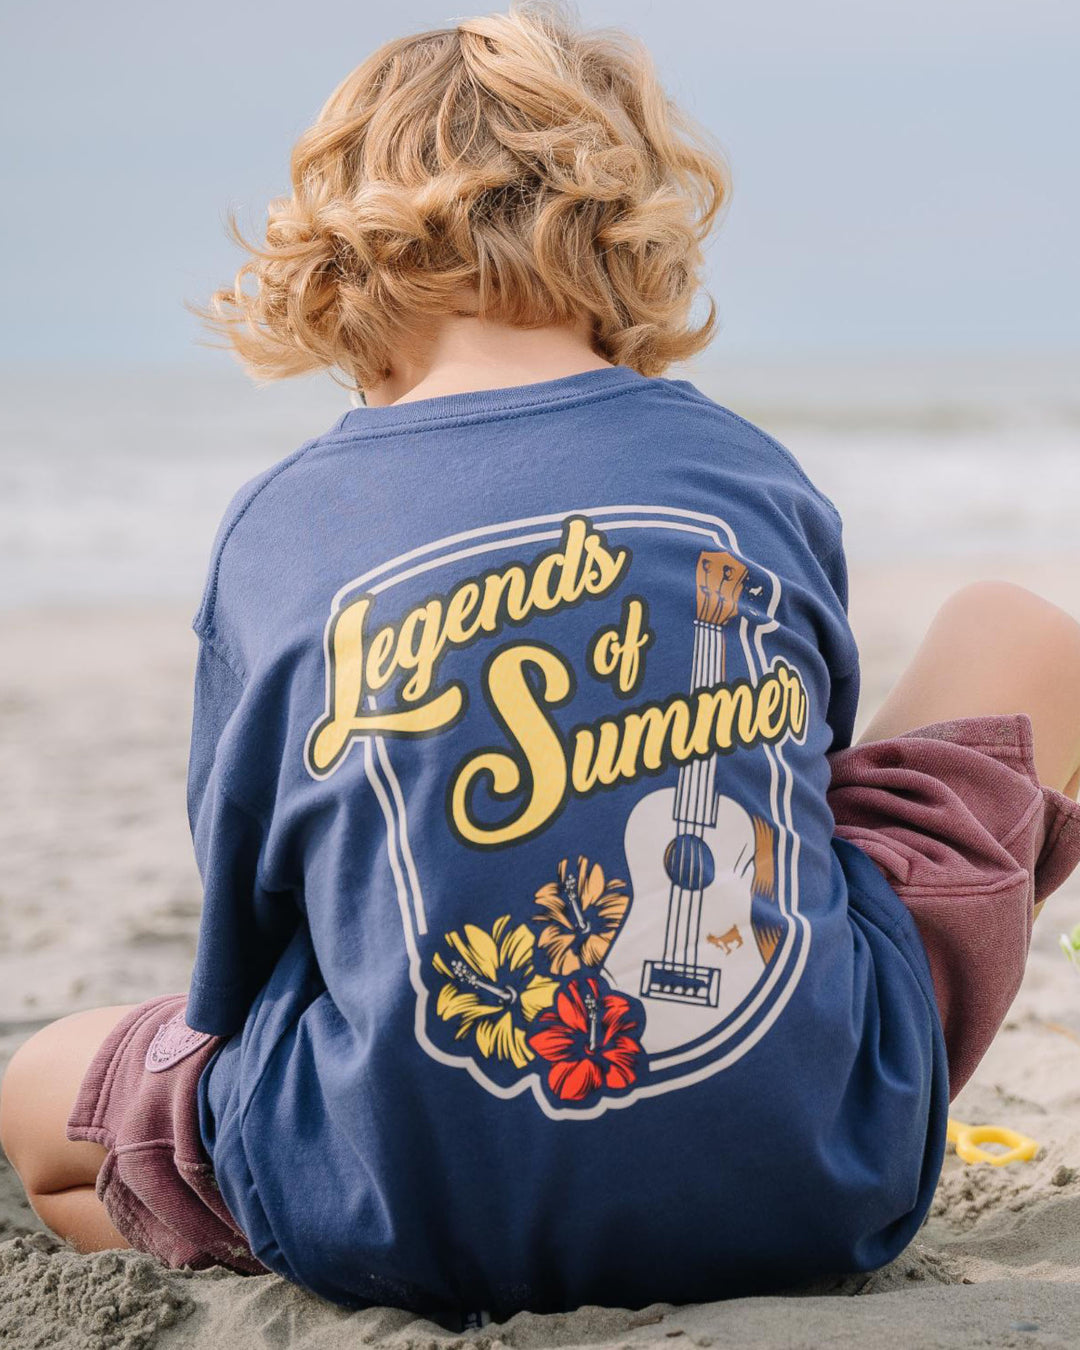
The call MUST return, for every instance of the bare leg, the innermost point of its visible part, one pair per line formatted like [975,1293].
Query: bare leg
[36,1097]
[996,648]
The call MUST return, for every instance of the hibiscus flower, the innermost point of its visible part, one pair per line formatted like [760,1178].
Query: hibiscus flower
[582,912]
[492,988]
[590,1039]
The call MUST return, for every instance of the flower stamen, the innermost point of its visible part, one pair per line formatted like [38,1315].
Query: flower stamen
[592,1011]
[570,891]
[463,975]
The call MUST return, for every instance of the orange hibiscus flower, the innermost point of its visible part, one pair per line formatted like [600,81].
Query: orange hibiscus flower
[582,912]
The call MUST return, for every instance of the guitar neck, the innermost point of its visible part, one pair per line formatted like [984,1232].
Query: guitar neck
[718,584]
[695,791]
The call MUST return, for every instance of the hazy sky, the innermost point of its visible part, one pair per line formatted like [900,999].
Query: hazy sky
[906,171]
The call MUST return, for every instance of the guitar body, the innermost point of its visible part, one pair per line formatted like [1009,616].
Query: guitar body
[687,947]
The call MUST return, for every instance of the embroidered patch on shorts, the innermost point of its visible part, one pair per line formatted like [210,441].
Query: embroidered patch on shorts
[174,1041]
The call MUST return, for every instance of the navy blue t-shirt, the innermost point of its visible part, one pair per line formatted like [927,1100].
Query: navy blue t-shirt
[543,977]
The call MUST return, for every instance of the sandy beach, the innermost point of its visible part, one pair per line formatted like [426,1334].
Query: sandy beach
[99,903]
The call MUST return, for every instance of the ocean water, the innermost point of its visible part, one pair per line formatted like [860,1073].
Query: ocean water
[112,484]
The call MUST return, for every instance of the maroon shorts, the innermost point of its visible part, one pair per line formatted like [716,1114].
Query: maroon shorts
[956,818]
[138,1098]
[953,814]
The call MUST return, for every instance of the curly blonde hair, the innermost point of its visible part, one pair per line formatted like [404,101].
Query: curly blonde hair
[538,169]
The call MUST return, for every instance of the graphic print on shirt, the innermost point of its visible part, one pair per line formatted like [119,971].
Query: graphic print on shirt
[594,696]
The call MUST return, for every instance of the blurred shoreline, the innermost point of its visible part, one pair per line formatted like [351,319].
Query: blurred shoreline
[112,483]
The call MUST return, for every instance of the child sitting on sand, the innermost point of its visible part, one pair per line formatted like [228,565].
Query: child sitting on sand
[557,946]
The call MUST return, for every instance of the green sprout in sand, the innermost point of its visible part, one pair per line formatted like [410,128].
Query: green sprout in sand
[1070,945]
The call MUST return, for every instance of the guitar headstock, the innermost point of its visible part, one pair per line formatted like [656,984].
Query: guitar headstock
[720,580]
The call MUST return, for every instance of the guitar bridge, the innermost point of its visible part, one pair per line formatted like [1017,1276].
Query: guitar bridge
[681,983]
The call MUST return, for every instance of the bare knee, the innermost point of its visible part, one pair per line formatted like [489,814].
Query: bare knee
[1001,611]
[21,1080]
[37,1093]
[995,648]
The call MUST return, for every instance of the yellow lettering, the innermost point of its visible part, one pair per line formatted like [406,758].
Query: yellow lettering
[580,565]
[619,649]
[684,728]
[594,758]
[422,658]
[379,653]
[774,697]
[334,734]
[503,589]
[540,766]
[459,609]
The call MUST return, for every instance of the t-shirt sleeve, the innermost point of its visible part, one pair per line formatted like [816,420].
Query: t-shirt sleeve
[844,660]
[245,924]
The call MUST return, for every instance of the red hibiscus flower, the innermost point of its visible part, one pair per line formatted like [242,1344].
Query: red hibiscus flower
[590,1040]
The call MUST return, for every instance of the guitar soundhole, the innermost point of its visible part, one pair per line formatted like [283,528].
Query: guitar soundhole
[689,863]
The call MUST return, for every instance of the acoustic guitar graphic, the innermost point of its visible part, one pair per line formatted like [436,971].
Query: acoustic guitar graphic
[698,861]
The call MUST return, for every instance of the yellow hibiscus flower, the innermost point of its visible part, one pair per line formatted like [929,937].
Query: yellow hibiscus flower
[492,988]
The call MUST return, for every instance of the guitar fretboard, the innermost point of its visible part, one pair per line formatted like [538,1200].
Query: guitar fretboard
[695,791]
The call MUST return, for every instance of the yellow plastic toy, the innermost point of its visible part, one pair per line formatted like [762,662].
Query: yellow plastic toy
[967,1139]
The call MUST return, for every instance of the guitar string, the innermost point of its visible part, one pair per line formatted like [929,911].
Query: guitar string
[701,800]
[675,892]
[694,782]
[671,950]
[716,640]
[671,945]
[691,824]
[679,798]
